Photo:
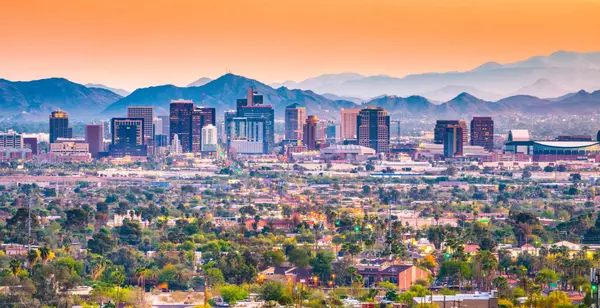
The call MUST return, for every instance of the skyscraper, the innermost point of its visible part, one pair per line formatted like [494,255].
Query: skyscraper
[127,137]
[453,142]
[252,108]
[349,123]
[440,130]
[373,129]
[146,113]
[294,120]
[310,132]
[11,139]
[201,117]
[166,123]
[482,132]
[94,136]
[209,138]
[181,123]
[59,126]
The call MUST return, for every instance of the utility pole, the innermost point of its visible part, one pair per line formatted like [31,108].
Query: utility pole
[29,226]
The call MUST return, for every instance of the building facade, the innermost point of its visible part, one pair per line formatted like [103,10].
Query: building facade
[181,123]
[454,142]
[348,127]
[127,137]
[209,138]
[482,132]
[146,113]
[440,130]
[294,120]
[94,136]
[373,129]
[201,117]
[11,139]
[310,132]
[59,126]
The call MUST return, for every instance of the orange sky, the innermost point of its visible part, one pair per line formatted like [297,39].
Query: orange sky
[129,44]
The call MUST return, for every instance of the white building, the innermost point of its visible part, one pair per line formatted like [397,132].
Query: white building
[209,138]
[176,145]
[11,139]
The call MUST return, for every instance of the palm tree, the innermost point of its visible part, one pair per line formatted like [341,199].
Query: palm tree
[32,257]
[15,266]
[46,254]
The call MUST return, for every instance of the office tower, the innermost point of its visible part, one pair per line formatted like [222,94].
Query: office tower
[161,141]
[482,132]
[157,126]
[127,137]
[209,138]
[59,126]
[440,130]
[453,142]
[310,132]
[94,136]
[146,113]
[227,133]
[181,123]
[11,139]
[349,123]
[176,145]
[247,135]
[166,123]
[201,117]
[31,143]
[253,109]
[294,120]
[373,129]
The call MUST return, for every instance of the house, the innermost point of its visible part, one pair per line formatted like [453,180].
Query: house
[286,274]
[403,275]
[477,300]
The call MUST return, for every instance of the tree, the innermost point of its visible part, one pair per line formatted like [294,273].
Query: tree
[526,174]
[76,219]
[46,254]
[273,257]
[233,293]
[300,257]
[15,266]
[557,299]
[271,291]
[102,242]
[321,265]
[546,276]
[215,276]
[130,232]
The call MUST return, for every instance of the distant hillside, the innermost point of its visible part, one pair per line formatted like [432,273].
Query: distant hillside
[36,99]
[200,82]
[566,71]
[121,92]
[222,93]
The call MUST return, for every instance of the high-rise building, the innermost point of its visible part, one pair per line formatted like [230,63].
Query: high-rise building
[482,132]
[252,99]
[31,143]
[127,137]
[373,129]
[146,113]
[166,123]
[349,117]
[294,120]
[59,126]
[209,138]
[201,117]
[310,132]
[227,127]
[247,135]
[439,134]
[453,142]
[175,145]
[11,139]
[157,126]
[254,110]
[181,123]
[94,136]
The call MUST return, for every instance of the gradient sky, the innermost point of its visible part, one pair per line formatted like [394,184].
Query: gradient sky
[130,44]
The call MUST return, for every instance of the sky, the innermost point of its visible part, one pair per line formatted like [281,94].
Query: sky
[135,43]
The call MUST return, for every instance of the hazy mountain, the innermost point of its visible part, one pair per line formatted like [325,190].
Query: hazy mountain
[37,98]
[412,105]
[542,88]
[569,71]
[121,92]
[222,93]
[320,83]
[334,97]
[200,82]
[448,92]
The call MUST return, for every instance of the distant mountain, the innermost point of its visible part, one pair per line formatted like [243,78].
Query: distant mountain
[542,88]
[320,83]
[334,97]
[200,82]
[466,105]
[448,92]
[36,99]
[569,71]
[222,93]
[121,92]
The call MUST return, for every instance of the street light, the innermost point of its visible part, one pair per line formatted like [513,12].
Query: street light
[315,280]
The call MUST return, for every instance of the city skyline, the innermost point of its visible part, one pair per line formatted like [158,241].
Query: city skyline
[130,45]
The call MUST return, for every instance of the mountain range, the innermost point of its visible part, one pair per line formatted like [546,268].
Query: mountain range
[565,71]
[121,92]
